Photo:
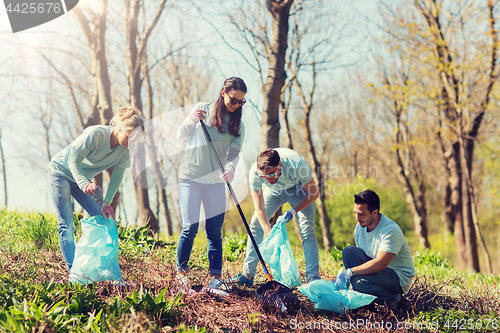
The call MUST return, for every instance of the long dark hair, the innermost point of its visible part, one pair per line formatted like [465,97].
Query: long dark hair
[230,84]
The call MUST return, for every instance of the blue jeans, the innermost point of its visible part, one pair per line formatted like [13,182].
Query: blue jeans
[272,201]
[213,197]
[61,189]
[383,284]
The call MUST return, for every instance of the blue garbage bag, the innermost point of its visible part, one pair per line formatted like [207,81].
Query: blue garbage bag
[96,254]
[325,296]
[277,252]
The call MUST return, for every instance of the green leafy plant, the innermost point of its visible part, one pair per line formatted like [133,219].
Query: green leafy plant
[430,259]
[135,240]
[191,329]
[159,307]
[234,246]
[40,231]
[336,254]
[432,265]
[453,320]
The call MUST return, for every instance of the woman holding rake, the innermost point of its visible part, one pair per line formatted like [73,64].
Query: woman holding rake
[200,179]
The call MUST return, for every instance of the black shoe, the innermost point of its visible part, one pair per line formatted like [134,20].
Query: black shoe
[404,304]
[370,307]
[393,303]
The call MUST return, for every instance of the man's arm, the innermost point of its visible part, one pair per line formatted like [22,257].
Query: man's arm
[260,210]
[312,194]
[375,265]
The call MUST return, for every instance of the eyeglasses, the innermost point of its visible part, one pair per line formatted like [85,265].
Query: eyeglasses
[234,100]
[271,175]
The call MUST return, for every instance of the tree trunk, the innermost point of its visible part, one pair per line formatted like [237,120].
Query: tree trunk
[324,220]
[467,143]
[101,100]
[101,103]
[469,231]
[452,86]
[164,203]
[146,216]
[423,232]
[472,222]
[284,110]
[457,203]
[160,180]
[416,202]
[136,57]
[271,90]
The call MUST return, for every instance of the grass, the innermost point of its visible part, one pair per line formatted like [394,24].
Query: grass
[35,295]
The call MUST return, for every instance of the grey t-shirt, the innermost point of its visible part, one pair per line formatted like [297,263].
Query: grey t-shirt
[388,237]
[93,144]
[198,163]
[295,171]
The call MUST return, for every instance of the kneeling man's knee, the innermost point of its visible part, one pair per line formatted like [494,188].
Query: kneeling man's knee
[360,284]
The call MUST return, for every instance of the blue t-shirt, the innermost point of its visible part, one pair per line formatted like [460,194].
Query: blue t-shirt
[388,237]
[294,171]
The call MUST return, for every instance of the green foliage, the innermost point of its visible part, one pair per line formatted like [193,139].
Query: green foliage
[432,265]
[40,231]
[430,259]
[67,307]
[159,306]
[191,329]
[336,254]
[340,203]
[135,240]
[232,220]
[36,230]
[253,318]
[10,224]
[234,247]
[453,320]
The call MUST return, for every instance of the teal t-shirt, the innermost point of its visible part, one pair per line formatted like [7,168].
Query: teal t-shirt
[388,237]
[198,163]
[93,144]
[295,171]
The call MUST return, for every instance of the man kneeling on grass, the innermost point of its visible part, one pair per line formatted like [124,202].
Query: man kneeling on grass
[380,264]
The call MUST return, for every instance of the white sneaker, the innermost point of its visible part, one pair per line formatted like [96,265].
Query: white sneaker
[183,281]
[218,285]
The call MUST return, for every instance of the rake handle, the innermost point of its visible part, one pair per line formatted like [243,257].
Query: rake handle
[233,195]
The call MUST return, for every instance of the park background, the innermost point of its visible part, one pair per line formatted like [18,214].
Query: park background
[397,96]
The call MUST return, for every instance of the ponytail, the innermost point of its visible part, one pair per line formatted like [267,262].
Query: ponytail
[128,118]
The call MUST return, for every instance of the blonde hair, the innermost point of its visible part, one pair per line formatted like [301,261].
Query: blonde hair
[128,118]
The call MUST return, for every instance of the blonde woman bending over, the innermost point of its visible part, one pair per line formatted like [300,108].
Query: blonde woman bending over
[71,170]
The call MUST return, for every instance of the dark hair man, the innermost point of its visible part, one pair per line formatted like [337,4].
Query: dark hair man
[282,175]
[380,264]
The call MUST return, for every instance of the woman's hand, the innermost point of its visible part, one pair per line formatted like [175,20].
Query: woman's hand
[196,115]
[89,188]
[107,211]
[227,176]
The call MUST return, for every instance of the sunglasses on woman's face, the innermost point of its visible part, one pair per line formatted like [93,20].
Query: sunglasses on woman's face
[234,100]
